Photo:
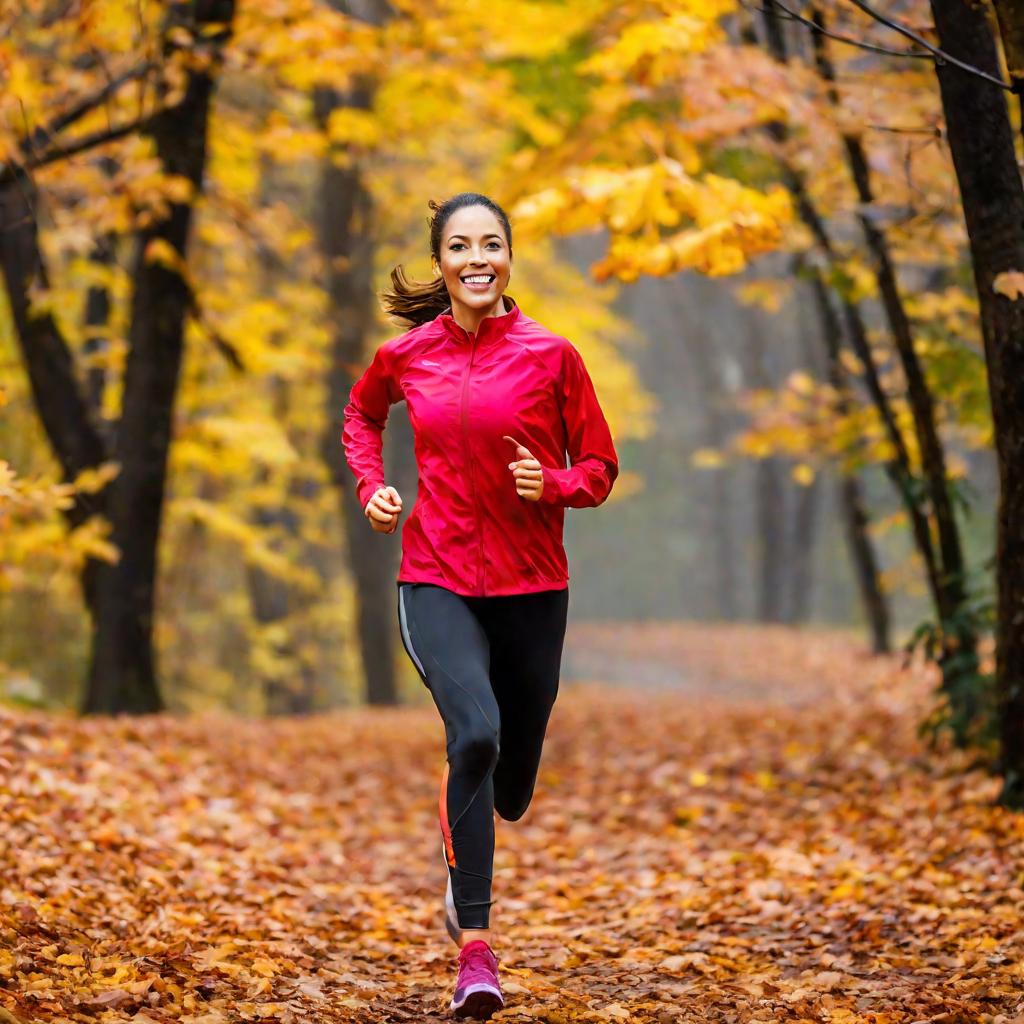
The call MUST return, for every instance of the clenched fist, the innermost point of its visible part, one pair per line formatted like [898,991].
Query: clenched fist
[527,472]
[383,509]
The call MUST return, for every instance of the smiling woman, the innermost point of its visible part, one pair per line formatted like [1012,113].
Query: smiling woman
[471,252]
[483,584]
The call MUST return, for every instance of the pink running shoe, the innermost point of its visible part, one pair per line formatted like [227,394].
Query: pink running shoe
[478,991]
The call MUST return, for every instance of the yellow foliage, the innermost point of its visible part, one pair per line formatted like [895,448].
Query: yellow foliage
[93,480]
[803,474]
[707,458]
[349,126]
[766,295]
[252,542]
[730,222]
[650,51]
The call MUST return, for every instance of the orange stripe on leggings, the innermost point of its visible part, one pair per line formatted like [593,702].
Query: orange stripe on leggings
[442,807]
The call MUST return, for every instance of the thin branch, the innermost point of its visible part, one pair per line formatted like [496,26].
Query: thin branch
[10,172]
[90,103]
[939,54]
[792,15]
[931,131]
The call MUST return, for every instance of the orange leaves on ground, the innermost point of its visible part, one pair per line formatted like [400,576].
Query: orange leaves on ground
[757,835]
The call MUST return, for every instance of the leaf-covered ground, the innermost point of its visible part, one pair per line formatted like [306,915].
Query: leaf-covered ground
[767,842]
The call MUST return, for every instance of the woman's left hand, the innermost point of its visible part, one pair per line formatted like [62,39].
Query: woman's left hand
[527,472]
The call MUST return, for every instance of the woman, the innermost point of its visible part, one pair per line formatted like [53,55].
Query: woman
[495,401]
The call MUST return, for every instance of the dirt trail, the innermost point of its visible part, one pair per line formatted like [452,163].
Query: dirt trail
[766,841]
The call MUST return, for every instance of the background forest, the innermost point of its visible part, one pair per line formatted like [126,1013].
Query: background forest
[747,218]
[787,237]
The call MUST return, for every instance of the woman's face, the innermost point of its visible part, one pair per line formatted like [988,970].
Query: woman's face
[475,259]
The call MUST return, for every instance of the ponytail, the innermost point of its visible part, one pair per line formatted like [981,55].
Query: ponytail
[415,302]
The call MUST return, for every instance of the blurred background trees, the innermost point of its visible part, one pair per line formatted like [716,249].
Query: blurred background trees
[767,228]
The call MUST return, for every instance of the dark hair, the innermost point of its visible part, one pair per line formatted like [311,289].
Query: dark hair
[417,302]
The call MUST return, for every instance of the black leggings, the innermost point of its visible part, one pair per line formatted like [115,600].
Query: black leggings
[491,664]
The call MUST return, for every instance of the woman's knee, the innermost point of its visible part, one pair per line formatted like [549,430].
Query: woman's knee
[512,806]
[475,751]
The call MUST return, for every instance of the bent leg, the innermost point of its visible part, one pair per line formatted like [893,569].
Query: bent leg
[526,633]
[450,651]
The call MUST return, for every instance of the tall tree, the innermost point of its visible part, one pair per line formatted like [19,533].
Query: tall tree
[122,673]
[981,141]
[958,658]
[346,232]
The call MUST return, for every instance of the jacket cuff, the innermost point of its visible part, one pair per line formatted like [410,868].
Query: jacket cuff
[553,491]
[366,490]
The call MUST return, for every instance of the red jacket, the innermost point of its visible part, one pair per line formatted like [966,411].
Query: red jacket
[469,530]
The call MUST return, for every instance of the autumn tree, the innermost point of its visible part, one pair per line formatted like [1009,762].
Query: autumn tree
[120,595]
[981,141]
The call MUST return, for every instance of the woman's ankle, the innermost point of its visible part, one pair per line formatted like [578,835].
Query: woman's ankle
[472,934]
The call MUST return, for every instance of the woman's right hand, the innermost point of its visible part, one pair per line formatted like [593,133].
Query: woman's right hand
[383,509]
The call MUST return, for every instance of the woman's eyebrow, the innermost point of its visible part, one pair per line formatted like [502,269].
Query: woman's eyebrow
[466,237]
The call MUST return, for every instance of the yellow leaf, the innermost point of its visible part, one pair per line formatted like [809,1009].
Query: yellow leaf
[803,474]
[707,458]
[95,478]
[1009,283]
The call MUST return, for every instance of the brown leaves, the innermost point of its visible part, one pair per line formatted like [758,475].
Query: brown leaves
[761,840]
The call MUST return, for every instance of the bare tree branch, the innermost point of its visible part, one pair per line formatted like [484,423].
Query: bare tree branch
[12,172]
[791,15]
[90,103]
[930,50]
[937,52]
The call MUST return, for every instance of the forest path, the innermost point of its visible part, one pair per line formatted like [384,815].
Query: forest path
[774,844]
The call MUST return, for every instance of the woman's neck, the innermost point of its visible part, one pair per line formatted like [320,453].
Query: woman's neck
[469,319]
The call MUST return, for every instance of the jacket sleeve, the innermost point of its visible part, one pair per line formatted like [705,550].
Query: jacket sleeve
[365,417]
[594,463]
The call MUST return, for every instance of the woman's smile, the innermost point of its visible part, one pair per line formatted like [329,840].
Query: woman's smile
[478,282]
[476,263]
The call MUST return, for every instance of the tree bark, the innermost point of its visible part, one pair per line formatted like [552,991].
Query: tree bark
[56,393]
[346,240]
[64,410]
[122,675]
[981,141]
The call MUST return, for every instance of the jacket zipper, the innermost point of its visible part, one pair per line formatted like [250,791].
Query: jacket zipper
[469,466]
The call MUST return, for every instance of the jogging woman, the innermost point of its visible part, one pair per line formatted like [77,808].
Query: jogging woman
[496,401]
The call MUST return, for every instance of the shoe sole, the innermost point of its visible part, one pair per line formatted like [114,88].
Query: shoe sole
[479,1005]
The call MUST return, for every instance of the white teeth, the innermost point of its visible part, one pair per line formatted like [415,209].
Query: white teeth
[479,279]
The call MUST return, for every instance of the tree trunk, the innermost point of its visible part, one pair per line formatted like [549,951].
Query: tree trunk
[851,501]
[958,659]
[898,469]
[715,426]
[770,497]
[63,408]
[771,538]
[981,141]
[346,240]
[122,676]
[801,544]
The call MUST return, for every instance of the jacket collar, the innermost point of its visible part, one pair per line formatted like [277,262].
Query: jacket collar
[490,327]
